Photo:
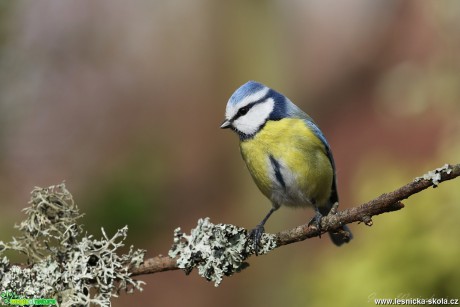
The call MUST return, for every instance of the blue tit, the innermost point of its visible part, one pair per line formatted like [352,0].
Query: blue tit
[286,153]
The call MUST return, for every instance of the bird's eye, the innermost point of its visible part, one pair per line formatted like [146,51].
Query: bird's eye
[243,111]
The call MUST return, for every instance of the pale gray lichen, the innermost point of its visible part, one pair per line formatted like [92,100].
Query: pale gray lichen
[435,175]
[216,250]
[62,262]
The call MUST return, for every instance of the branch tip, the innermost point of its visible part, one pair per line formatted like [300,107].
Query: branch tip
[367,220]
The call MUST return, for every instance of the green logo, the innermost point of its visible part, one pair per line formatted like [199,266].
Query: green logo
[11,298]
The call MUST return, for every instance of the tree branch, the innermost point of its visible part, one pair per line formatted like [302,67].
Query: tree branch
[387,202]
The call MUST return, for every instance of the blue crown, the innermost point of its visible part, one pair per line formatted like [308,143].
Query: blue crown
[245,90]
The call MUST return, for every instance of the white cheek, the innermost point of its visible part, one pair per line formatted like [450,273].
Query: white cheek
[256,117]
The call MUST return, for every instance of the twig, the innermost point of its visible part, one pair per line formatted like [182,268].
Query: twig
[387,202]
[156,264]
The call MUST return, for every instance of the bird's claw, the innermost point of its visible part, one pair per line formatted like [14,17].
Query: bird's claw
[316,222]
[256,235]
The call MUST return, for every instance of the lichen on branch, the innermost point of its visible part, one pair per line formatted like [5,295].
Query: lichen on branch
[216,250]
[63,262]
[387,202]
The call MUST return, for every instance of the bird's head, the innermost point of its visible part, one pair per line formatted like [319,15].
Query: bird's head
[252,105]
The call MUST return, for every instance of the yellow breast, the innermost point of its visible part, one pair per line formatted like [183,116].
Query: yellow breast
[305,167]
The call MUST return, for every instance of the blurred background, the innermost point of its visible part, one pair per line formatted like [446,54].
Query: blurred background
[123,101]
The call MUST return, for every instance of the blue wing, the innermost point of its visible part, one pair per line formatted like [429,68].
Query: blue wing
[334,197]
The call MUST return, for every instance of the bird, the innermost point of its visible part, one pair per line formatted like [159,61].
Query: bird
[286,154]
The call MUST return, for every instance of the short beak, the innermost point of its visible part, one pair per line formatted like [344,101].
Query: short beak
[226,124]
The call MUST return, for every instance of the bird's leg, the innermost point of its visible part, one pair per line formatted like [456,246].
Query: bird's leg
[256,233]
[316,220]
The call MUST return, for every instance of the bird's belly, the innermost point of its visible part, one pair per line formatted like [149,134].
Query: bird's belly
[291,170]
[291,195]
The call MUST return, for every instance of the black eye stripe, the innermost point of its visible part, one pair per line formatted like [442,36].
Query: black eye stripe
[244,110]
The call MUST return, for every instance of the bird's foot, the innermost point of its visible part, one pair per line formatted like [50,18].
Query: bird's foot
[256,235]
[316,222]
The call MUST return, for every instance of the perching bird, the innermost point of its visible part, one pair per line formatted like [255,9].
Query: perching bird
[286,153]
